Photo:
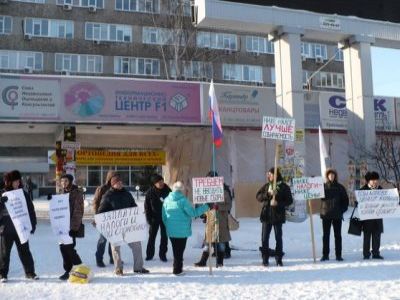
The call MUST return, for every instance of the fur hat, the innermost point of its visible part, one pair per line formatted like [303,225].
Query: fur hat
[329,171]
[156,178]
[371,176]
[13,175]
[178,186]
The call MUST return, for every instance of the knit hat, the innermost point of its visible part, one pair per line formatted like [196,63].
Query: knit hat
[13,175]
[371,176]
[115,179]
[178,186]
[156,178]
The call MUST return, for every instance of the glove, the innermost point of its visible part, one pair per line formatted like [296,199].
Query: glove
[72,233]
[33,229]
[49,196]
[3,199]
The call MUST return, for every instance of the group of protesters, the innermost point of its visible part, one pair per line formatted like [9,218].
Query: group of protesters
[170,212]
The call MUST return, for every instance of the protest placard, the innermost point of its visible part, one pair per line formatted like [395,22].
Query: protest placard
[378,204]
[60,218]
[278,128]
[122,226]
[306,188]
[19,214]
[208,190]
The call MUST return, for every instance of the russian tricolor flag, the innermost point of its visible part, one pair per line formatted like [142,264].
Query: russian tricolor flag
[214,117]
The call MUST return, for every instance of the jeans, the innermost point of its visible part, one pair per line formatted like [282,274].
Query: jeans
[266,231]
[337,230]
[101,248]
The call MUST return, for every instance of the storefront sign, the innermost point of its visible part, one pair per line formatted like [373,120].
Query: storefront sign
[29,98]
[306,188]
[120,158]
[278,128]
[60,218]
[377,204]
[208,190]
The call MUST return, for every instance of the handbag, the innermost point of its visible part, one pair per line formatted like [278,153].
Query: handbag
[81,231]
[233,224]
[355,225]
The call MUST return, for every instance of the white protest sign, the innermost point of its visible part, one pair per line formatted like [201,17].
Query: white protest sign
[278,128]
[122,226]
[208,190]
[60,218]
[378,204]
[19,214]
[307,188]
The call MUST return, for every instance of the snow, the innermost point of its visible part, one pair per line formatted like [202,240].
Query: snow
[242,277]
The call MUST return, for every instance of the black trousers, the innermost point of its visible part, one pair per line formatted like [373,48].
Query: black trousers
[337,230]
[24,253]
[153,229]
[70,256]
[266,231]
[376,242]
[178,247]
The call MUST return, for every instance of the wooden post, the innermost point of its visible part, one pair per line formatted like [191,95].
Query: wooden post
[210,258]
[312,230]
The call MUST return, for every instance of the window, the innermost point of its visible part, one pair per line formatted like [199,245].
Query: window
[193,69]
[5,25]
[31,1]
[83,3]
[108,32]
[136,66]
[217,40]
[330,80]
[19,60]
[147,6]
[180,7]
[163,36]
[78,63]
[273,77]
[49,28]
[258,44]
[246,73]
[313,50]
[339,55]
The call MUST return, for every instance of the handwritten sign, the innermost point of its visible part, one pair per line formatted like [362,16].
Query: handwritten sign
[378,204]
[306,188]
[278,128]
[122,226]
[59,214]
[208,190]
[19,214]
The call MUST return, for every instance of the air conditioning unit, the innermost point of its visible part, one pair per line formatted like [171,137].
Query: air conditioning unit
[67,7]
[28,37]
[28,70]
[4,1]
[319,60]
[64,72]
[97,42]
[304,58]
[92,8]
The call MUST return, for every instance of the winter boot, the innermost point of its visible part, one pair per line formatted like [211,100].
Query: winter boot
[278,260]
[265,257]
[220,259]
[203,260]
[227,250]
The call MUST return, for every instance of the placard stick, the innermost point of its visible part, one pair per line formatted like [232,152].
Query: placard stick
[273,201]
[312,230]
[209,258]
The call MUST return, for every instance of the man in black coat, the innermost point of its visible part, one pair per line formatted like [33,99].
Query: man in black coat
[153,208]
[273,214]
[117,197]
[372,228]
[333,206]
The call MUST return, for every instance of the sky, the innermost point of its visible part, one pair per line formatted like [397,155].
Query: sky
[386,71]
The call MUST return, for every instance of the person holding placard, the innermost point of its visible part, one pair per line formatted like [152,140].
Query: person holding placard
[372,228]
[153,208]
[8,233]
[217,228]
[117,197]
[177,214]
[68,252]
[333,206]
[273,214]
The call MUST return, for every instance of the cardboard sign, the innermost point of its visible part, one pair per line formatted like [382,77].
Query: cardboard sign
[122,226]
[208,190]
[378,204]
[278,128]
[59,214]
[19,214]
[306,188]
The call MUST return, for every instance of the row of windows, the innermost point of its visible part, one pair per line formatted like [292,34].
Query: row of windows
[326,79]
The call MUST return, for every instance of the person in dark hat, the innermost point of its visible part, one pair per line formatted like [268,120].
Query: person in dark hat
[372,228]
[8,233]
[153,208]
[273,214]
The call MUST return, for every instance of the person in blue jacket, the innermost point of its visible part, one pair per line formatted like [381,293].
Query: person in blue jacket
[177,214]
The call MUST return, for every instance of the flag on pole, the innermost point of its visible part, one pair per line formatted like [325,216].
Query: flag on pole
[213,114]
[323,153]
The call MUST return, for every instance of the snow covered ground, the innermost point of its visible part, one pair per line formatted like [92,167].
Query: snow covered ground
[242,277]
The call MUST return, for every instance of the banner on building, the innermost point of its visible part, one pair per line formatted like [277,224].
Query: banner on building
[307,188]
[59,213]
[208,190]
[278,128]
[378,204]
[120,158]
[122,226]
[19,214]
